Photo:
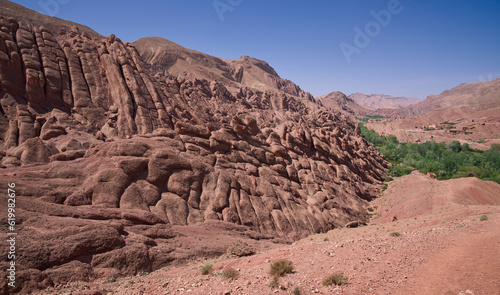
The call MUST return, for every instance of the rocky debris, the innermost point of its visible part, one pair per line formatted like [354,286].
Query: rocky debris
[355,223]
[437,253]
[432,175]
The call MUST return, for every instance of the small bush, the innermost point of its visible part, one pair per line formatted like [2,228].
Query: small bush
[231,273]
[395,234]
[281,267]
[111,280]
[274,283]
[206,269]
[483,217]
[326,239]
[337,279]
[296,291]
[241,249]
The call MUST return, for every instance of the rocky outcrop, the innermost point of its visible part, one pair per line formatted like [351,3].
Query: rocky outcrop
[110,161]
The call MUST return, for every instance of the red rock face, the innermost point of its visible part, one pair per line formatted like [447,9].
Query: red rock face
[98,147]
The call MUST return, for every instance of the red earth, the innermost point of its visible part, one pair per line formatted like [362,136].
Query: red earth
[425,237]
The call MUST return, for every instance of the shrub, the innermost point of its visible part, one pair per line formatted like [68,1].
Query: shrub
[483,217]
[274,283]
[206,269]
[447,161]
[326,239]
[296,291]
[395,234]
[231,273]
[281,267]
[337,279]
[240,249]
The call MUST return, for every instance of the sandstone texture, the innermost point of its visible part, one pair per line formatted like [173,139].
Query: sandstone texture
[442,247]
[118,169]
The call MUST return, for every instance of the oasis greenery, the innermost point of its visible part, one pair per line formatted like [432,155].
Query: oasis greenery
[446,160]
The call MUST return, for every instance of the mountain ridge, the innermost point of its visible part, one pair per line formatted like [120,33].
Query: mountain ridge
[338,101]
[470,110]
[382,101]
[115,164]
[170,58]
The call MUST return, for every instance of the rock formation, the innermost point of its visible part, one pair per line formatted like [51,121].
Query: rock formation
[110,161]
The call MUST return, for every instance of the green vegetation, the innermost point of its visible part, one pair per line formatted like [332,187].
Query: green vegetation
[483,217]
[395,234]
[281,267]
[367,118]
[446,160]
[231,273]
[337,279]
[206,269]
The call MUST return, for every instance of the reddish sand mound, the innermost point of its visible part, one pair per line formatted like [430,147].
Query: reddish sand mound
[419,195]
[473,191]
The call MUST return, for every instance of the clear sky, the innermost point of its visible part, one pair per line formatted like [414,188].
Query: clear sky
[407,48]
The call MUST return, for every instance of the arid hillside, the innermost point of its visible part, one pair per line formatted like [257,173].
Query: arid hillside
[120,169]
[468,113]
[382,101]
[338,101]
[435,237]
[171,59]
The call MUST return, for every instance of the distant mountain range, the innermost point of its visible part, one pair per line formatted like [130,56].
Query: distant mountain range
[382,101]
[471,111]
[465,99]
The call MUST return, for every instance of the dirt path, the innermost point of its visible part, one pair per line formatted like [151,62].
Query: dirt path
[469,260]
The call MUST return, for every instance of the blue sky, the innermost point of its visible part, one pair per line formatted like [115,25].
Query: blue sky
[415,48]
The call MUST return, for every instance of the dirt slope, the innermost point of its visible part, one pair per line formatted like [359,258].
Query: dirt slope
[473,111]
[443,248]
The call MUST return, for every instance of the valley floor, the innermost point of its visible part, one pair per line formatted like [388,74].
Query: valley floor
[425,237]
